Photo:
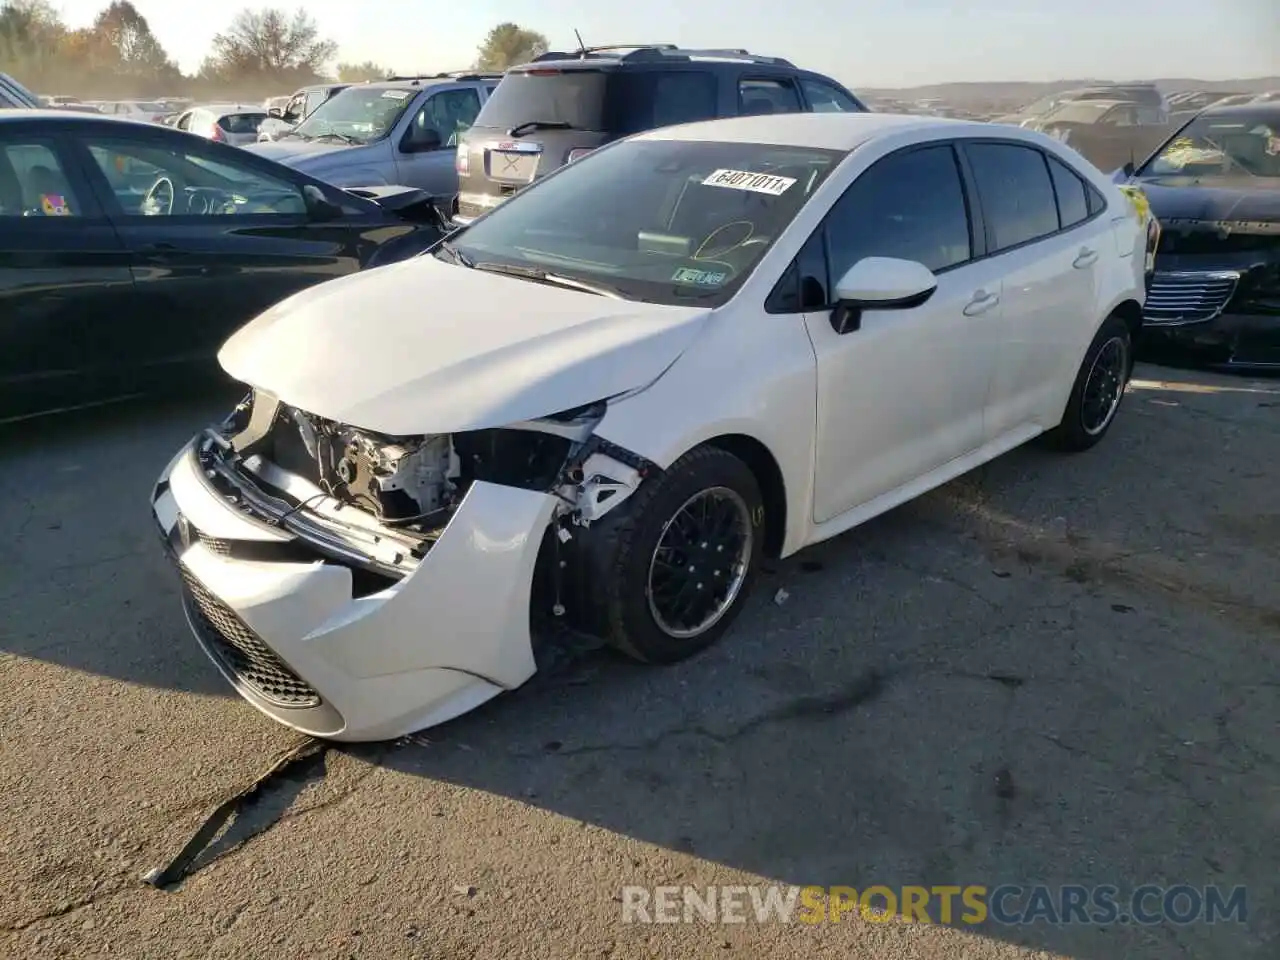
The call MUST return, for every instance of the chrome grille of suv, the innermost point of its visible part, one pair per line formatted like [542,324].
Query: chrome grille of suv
[1192,297]
[238,649]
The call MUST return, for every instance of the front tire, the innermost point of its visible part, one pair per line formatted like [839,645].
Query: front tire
[684,558]
[1098,390]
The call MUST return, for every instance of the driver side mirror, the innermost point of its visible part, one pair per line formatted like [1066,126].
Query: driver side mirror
[320,208]
[276,112]
[420,141]
[1128,169]
[880,283]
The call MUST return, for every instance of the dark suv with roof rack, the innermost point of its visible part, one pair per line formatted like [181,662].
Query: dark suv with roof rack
[561,106]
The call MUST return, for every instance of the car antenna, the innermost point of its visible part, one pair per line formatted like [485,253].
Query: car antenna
[582,47]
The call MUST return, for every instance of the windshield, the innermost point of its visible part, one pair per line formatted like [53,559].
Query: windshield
[1078,111]
[358,113]
[666,221]
[1234,145]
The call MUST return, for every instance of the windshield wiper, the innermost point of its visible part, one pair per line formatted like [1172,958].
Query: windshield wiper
[340,136]
[551,279]
[520,129]
[456,255]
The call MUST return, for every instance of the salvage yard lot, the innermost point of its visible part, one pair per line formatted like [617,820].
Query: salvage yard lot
[1054,670]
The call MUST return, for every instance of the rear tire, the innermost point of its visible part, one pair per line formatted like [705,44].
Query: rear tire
[1098,390]
[684,558]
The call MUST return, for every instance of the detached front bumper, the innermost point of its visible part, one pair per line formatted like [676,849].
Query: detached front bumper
[284,624]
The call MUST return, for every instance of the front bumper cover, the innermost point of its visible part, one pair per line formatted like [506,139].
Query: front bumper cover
[293,639]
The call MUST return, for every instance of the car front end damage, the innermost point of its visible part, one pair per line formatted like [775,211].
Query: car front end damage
[358,586]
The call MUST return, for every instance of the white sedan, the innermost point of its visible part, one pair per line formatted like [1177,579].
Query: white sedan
[605,401]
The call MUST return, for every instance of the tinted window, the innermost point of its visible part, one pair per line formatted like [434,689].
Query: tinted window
[573,97]
[1097,203]
[644,101]
[153,179]
[618,102]
[1016,191]
[909,205]
[1073,194]
[33,184]
[824,98]
[242,122]
[767,96]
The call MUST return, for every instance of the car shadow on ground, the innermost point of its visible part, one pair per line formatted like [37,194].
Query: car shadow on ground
[1053,671]
[84,582]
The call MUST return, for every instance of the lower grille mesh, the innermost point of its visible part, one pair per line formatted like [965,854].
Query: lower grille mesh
[241,652]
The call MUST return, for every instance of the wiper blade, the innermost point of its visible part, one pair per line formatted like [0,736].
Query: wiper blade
[551,279]
[456,255]
[520,129]
[339,136]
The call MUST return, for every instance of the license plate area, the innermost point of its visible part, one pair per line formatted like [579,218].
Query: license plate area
[515,163]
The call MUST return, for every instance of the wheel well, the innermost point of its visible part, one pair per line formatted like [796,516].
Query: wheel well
[1131,313]
[772,488]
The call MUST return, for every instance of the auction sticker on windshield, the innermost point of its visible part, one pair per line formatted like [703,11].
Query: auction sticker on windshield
[395,94]
[703,278]
[746,180]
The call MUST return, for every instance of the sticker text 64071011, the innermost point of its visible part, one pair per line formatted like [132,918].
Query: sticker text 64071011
[746,180]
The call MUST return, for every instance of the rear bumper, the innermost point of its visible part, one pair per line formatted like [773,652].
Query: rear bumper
[295,642]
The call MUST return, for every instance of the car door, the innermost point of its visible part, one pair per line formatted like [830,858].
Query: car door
[428,146]
[236,237]
[1050,276]
[904,393]
[66,293]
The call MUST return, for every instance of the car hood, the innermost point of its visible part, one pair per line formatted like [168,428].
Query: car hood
[1175,199]
[425,346]
[294,151]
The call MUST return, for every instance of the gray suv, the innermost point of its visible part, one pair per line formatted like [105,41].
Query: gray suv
[561,106]
[401,131]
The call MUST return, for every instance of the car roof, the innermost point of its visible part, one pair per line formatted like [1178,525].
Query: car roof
[824,131]
[23,115]
[229,107]
[1271,107]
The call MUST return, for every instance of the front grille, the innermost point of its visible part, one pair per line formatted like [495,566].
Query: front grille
[1192,297]
[241,652]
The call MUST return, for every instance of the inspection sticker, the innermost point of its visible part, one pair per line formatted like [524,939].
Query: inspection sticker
[703,278]
[746,180]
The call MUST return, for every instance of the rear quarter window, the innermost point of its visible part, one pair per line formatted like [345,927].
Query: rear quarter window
[1016,191]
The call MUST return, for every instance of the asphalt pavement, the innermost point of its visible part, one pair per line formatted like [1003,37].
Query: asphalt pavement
[1056,670]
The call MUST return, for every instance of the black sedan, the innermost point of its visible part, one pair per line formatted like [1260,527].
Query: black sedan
[1215,188]
[130,251]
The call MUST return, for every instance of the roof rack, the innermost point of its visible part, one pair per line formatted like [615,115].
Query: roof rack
[651,52]
[448,75]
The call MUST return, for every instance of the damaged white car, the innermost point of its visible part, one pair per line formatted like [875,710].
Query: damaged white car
[608,398]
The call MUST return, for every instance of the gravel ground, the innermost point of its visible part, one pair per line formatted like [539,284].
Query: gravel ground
[1054,670]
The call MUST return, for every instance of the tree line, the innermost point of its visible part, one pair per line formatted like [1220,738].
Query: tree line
[262,51]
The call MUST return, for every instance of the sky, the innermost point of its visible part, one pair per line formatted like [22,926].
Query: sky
[867,43]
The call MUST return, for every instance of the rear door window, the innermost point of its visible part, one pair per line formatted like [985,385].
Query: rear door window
[762,96]
[33,182]
[1016,191]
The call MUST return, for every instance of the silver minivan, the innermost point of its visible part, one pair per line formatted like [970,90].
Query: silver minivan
[401,131]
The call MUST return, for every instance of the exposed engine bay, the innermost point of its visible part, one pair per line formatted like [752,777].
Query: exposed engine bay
[407,488]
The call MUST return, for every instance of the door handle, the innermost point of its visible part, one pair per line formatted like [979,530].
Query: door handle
[982,302]
[1085,258]
[160,252]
